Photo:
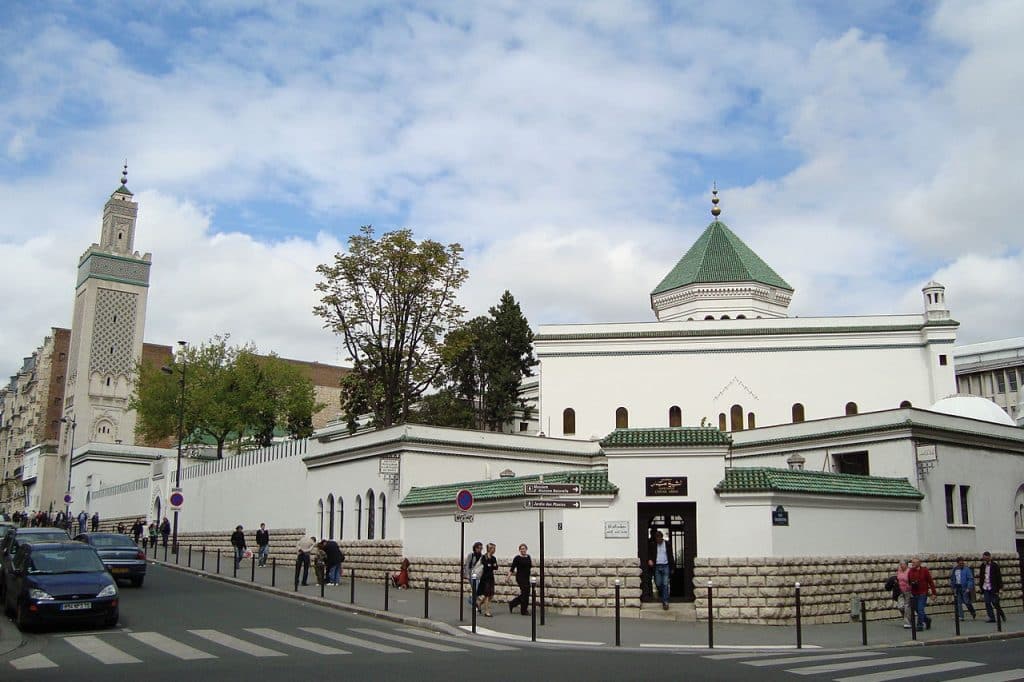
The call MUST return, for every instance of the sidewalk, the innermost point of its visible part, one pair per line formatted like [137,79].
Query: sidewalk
[443,615]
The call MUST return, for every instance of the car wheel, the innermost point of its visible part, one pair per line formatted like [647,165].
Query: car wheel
[137,582]
[111,621]
[21,618]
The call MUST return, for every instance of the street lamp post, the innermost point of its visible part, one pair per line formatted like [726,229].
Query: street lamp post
[181,435]
[71,455]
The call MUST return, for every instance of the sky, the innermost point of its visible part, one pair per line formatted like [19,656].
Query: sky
[569,147]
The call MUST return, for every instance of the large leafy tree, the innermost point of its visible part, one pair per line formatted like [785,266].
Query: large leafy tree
[230,391]
[392,300]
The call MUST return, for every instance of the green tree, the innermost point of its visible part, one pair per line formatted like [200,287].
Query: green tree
[392,300]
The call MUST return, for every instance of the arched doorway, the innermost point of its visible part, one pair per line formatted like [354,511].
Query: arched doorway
[678,522]
[156,510]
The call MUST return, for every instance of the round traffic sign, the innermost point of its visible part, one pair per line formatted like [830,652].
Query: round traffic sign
[67,499]
[177,499]
[464,500]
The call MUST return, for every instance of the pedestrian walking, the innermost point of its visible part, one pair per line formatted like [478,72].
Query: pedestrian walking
[660,557]
[334,557]
[152,534]
[303,549]
[991,579]
[521,566]
[487,578]
[95,521]
[238,542]
[263,543]
[83,519]
[921,585]
[471,571]
[165,529]
[137,529]
[961,580]
[906,597]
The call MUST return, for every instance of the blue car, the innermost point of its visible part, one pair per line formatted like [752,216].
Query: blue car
[59,582]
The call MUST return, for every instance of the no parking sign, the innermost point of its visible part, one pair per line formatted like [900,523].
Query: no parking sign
[177,499]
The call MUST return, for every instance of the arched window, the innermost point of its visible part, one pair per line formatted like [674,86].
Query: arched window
[341,518]
[568,421]
[320,517]
[369,514]
[359,518]
[709,317]
[721,421]
[383,516]
[330,516]
[798,413]
[741,317]
[905,404]
[736,417]
[725,317]
[622,418]
[751,424]
[851,409]
[675,416]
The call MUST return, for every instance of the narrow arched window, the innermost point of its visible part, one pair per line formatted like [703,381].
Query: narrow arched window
[798,413]
[751,424]
[568,421]
[675,416]
[383,516]
[359,518]
[330,516]
[721,421]
[341,518]
[725,317]
[622,418]
[320,516]
[905,404]
[369,515]
[851,409]
[709,317]
[736,417]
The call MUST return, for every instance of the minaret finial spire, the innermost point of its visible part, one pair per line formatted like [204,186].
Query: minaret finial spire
[124,174]
[715,210]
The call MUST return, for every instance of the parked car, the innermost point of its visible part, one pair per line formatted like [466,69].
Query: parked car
[59,582]
[119,554]
[16,537]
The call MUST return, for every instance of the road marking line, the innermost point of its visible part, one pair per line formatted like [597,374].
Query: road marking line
[296,642]
[33,662]
[406,640]
[355,641]
[733,657]
[524,638]
[100,650]
[853,665]
[170,646]
[462,640]
[887,675]
[820,657]
[236,644]
[752,648]
[999,676]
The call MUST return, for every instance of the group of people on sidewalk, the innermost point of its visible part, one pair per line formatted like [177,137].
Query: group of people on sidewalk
[325,556]
[913,583]
[242,551]
[480,569]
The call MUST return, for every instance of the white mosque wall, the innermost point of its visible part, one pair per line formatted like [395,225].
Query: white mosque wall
[129,498]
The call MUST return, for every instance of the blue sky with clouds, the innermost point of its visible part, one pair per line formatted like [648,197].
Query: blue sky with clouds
[570,147]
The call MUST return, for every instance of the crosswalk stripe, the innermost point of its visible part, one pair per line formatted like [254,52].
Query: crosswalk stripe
[296,642]
[33,662]
[406,640]
[886,675]
[742,654]
[818,657]
[100,650]
[356,641]
[170,646]
[463,640]
[236,644]
[998,676]
[853,665]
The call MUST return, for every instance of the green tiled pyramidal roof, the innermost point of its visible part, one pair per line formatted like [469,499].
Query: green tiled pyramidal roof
[591,482]
[763,479]
[680,436]
[719,255]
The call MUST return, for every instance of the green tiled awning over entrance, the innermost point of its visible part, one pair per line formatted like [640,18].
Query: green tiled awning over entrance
[667,437]
[591,482]
[764,479]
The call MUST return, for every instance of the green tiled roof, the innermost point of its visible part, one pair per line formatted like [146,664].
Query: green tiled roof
[591,482]
[123,190]
[681,436]
[763,479]
[719,255]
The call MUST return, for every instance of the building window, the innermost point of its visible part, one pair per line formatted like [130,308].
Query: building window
[383,512]
[950,516]
[675,416]
[320,516]
[341,518]
[851,463]
[622,418]
[905,404]
[524,426]
[943,360]
[721,421]
[965,517]
[1011,378]
[359,518]
[568,421]
[330,517]
[751,424]
[1000,382]
[851,409]
[736,417]
[369,515]
[798,413]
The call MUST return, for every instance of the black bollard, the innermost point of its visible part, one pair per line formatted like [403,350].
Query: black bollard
[533,610]
[999,616]
[202,558]
[473,609]
[165,552]
[218,562]
[426,598]
[273,572]
[711,618]
[190,556]
[252,575]
[618,638]
[913,618]
[177,555]
[352,586]
[234,564]
[863,622]
[387,586]
[956,618]
[799,628]
[322,584]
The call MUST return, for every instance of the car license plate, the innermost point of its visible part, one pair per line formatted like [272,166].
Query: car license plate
[76,606]
[119,570]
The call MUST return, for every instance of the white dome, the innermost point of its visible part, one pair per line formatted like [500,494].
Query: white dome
[973,407]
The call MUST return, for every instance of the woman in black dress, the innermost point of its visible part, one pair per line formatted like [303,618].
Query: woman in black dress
[490,564]
[521,566]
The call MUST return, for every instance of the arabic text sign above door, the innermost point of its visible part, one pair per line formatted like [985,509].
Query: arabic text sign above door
[666,486]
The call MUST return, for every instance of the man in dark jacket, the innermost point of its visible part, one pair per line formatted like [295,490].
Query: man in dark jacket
[921,583]
[165,529]
[662,562]
[238,542]
[991,580]
[263,542]
[334,559]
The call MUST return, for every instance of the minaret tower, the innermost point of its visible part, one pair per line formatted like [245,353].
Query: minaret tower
[107,328]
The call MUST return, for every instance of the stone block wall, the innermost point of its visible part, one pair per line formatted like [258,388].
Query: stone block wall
[762,589]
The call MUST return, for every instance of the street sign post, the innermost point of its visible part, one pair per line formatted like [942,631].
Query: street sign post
[177,499]
[551,489]
[551,504]
[464,500]
[463,517]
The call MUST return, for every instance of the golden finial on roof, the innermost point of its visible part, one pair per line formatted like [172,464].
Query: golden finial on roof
[124,174]
[715,210]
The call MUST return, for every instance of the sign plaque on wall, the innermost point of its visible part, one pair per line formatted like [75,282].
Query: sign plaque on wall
[616,529]
[780,517]
[666,486]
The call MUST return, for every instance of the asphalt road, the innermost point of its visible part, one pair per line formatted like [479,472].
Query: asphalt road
[180,626]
